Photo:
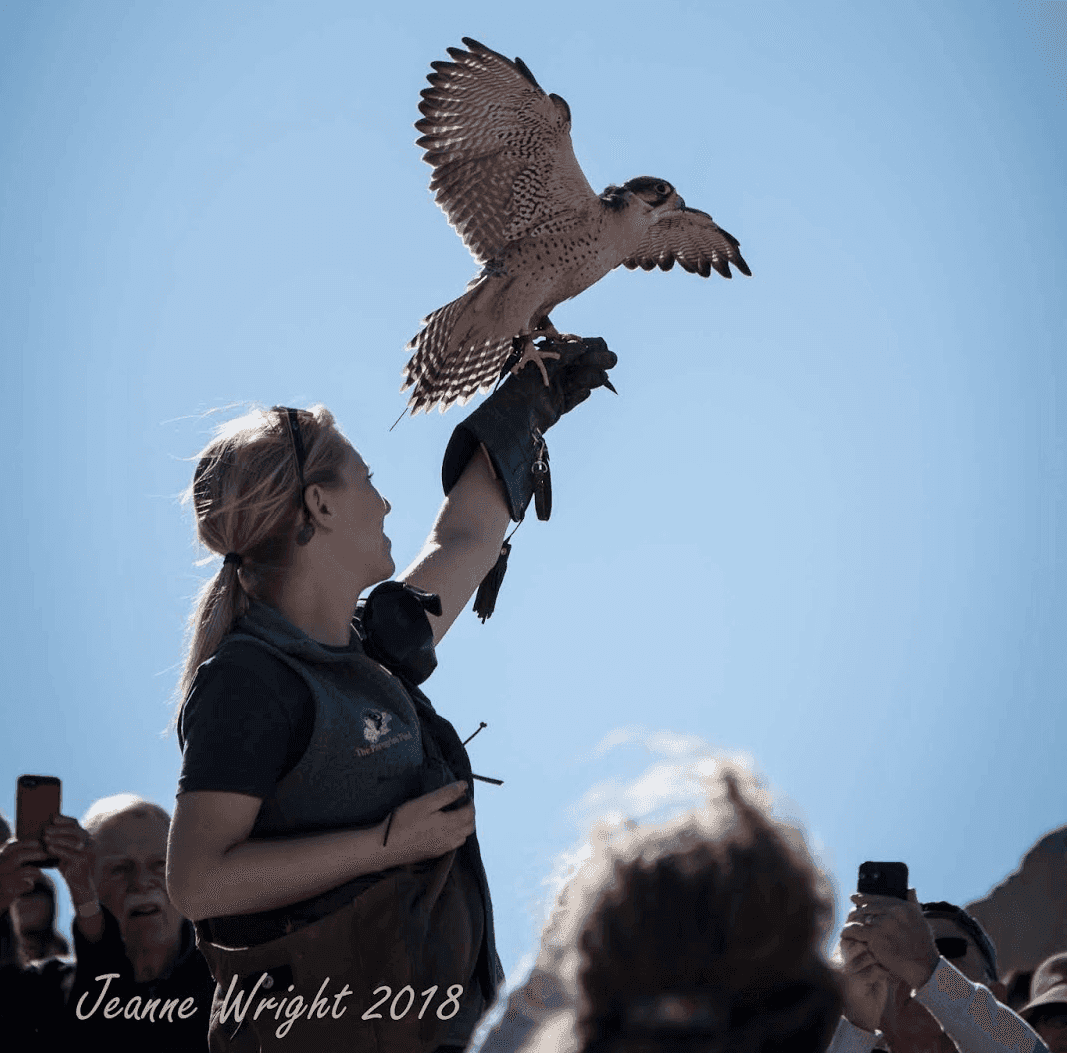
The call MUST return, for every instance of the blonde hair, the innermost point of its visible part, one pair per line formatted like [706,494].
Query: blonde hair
[248,499]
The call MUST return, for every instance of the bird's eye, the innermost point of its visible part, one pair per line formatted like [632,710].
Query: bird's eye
[662,188]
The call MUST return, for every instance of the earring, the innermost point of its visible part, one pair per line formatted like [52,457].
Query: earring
[307,532]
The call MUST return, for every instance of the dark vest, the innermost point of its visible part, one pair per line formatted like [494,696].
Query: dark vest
[377,742]
[365,756]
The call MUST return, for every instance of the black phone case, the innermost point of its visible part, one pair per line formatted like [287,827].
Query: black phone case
[37,800]
[883,879]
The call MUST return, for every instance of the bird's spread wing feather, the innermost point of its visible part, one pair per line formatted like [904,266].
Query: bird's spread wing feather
[500,148]
[692,239]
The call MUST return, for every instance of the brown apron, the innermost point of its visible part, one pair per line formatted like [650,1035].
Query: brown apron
[384,974]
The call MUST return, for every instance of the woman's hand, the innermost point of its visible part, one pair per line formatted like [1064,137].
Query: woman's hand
[420,829]
[896,934]
[17,872]
[865,986]
[73,847]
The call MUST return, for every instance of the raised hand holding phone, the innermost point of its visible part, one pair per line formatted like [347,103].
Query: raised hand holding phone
[891,925]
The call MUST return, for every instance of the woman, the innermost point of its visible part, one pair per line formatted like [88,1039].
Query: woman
[323,836]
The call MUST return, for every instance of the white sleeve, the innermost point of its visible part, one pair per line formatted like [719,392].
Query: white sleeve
[851,1039]
[970,1015]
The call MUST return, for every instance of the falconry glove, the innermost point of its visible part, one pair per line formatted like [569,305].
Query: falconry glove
[511,423]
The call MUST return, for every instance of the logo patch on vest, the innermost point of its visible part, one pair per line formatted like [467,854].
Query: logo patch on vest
[376,724]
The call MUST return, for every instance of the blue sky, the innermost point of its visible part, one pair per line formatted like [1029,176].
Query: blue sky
[822,524]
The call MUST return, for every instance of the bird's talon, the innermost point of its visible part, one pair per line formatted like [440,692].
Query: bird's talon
[536,355]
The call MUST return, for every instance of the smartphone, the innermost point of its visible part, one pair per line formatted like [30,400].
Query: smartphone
[883,879]
[36,805]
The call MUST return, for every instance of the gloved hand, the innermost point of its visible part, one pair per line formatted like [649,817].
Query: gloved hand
[512,421]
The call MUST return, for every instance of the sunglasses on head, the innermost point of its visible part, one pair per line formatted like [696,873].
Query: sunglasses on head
[952,947]
[293,422]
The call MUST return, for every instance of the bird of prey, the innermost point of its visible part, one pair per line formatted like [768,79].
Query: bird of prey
[505,174]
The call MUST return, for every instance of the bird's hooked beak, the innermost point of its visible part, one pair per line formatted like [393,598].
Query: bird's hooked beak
[677,203]
[674,205]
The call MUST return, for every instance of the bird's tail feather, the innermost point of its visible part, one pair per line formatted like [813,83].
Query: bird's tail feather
[445,370]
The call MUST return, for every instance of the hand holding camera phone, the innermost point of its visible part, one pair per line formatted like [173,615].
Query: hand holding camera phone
[37,803]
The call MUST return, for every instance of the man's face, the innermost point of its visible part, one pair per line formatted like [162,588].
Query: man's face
[971,964]
[131,861]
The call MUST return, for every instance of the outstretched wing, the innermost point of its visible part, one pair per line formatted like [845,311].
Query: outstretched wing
[500,148]
[694,240]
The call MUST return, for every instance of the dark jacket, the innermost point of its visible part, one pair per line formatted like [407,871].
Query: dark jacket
[31,999]
[167,1015]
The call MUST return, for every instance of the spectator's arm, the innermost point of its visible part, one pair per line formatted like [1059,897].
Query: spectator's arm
[107,953]
[865,986]
[851,1039]
[972,1017]
[66,840]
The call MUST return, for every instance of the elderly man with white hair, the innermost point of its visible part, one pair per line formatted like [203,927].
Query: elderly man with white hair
[140,981]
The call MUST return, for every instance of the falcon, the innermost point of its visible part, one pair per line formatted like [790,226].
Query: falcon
[505,175]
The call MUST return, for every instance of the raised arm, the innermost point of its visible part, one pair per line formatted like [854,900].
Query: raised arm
[898,937]
[490,468]
[464,542]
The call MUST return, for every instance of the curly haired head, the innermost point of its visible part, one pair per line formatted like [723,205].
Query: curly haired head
[704,934]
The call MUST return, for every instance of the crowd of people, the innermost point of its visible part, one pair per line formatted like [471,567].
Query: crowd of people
[323,844]
[134,978]
[703,933]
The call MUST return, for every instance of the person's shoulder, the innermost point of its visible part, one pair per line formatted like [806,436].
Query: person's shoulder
[241,676]
[240,657]
[239,649]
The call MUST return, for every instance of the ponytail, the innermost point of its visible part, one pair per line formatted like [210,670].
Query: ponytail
[220,602]
[248,499]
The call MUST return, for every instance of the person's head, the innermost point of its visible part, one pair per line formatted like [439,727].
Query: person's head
[1046,1012]
[270,485]
[962,941]
[5,829]
[34,918]
[130,848]
[704,933]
